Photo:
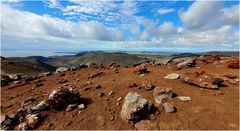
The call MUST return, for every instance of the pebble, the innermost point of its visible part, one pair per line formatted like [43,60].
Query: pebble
[71,107]
[101,94]
[184,98]
[119,99]
[39,84]
[142,75]
[81,106]
[16,82]
[110,93]
[98,86]
[87,88]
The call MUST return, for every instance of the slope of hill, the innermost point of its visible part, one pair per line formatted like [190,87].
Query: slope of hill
[24,65]
[97,57]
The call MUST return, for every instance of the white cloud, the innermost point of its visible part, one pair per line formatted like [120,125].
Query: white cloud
[231,15]
[163,11]
[209,14]
[100,27]
[167,28]
[201,14]
[152,31]
[28,24]
[216,37]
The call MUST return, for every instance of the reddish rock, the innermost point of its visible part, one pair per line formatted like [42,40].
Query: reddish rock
[95,74]
[231,76]
[143,125]
[63,81]
[234,64]
[141,69]
[148,86]
[234,81]
[161,93]
[203,80]
[132,85]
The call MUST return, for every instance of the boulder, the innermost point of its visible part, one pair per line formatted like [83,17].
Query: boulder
[161,93]
[8,122]
[5,80]
[61,70]
[135,107]
[63,96]
[43,105]
[187,63]
[29,104]
[172,76]
[141,69]
[234,64]
[202,79]
[15,76]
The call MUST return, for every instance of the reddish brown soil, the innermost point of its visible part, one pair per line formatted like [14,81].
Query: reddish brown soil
[205,111]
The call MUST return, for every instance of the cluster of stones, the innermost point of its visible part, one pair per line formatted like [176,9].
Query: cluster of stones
[28,116]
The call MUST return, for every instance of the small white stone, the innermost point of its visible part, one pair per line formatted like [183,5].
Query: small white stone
[81,106]
[172,76]
[184,98]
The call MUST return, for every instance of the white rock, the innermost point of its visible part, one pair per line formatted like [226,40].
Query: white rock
[184,98]
[61,70]
[172,76]
[81,106]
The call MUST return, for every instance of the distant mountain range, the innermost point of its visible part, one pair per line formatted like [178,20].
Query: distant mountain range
[38,64]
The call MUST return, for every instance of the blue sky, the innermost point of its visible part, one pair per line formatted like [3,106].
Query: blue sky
[73,25]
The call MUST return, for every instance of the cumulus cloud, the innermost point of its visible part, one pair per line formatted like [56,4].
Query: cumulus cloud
[201,14]
[116,26]
[209,14]
[163,11]
[153,32]
[27,24]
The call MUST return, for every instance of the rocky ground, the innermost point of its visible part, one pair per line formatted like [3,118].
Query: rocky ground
[203,93]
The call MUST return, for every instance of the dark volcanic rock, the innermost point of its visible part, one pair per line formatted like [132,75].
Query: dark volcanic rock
[8,122]
[5,80]
[203,80]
